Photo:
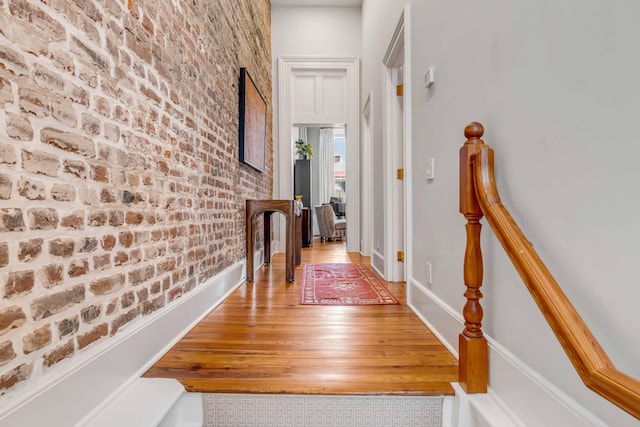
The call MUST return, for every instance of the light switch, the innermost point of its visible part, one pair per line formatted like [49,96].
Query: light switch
[430,168]
[429,77]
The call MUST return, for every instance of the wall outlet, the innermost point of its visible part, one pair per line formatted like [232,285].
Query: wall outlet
[378,242]
[429,277]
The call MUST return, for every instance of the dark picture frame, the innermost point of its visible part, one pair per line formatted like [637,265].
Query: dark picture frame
[253,123]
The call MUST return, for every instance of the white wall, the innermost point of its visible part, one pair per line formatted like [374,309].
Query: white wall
[333,31]
[379,20]
[310,31]
[554,84]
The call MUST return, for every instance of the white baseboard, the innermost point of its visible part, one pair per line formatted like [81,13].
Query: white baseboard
[377,262]
[187,412]
[145,403]
[516,391]
[84,385]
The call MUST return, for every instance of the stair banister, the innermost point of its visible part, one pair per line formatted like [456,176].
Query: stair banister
[479,197]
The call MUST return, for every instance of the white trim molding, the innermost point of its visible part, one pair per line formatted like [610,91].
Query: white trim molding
[516,391]
[90,382]
[397,203]
[287,66]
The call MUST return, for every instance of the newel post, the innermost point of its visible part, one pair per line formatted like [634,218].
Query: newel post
[472,368]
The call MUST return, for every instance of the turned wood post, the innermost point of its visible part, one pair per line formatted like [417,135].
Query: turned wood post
[472,368]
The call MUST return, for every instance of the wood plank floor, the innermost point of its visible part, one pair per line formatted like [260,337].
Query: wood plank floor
[260,340]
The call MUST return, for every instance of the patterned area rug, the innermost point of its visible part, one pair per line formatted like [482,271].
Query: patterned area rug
[271,410]
[342,284]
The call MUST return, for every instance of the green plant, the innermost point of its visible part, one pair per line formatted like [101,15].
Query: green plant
[304,149]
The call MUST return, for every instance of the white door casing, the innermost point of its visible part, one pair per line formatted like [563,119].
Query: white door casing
[397,149]
[367,176]
[320,91]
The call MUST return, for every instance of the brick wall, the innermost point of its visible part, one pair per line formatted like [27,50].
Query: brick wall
[120,188]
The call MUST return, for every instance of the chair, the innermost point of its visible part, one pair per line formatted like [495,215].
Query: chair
[330,227]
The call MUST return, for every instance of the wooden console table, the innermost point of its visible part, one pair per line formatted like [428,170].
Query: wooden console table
[268,207]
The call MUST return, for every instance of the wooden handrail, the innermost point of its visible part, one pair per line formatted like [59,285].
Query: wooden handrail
[478,190]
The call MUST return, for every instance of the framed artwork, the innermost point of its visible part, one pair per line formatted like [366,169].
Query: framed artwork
[253,123]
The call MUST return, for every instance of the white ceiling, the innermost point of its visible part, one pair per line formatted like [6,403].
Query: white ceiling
[316,2]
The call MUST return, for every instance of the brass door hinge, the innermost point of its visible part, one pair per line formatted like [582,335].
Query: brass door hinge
[400,174]
[400,256]
[399,90]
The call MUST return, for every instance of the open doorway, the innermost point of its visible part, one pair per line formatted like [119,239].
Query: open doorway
[317,91]
[322,178]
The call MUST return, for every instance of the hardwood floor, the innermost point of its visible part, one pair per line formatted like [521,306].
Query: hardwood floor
[260,340]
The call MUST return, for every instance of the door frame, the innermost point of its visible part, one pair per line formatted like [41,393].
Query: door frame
[367,176]
[398,209]
[287,65]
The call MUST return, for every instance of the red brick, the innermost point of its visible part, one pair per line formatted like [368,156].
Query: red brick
[8,154]
[64,112]
[11,317]
[36,339]
[126,239]
[140,275]
[63,192]
[123,319]
[174,293]
[92,336]
[4,254]
[78,267]
[13,61]
[134,218]
[108,242]
[60,353]
[143,294]
[19,283]
[16,375]
[101,106]
[66,141]
[29,249]
[89,244]
[76,168]
[111,307]
[91,313]
[6,185]
[39,162]
[73,221]
[90,124]
[63,60]
[48,79]
[100,173]
[18,127]
[42,218]
[49,305]
[11,219]
[101,261]
[34,102]
[111,132]
[83,51]
[127,299]
[68,326]
[107,285]
[31,189]
[38,19]
[97,218]
[7,353]
[150,306]
[116,218]
[62,247]
[121,258]
[51,275]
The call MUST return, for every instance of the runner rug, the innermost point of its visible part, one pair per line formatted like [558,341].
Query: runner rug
[342,284]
